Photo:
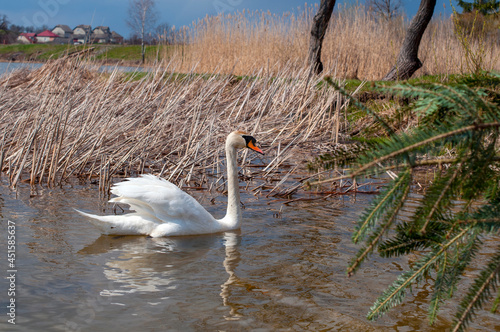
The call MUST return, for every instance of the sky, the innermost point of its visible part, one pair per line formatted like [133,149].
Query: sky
[113,13]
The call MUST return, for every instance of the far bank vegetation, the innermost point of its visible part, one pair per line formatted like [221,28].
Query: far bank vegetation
[359,43]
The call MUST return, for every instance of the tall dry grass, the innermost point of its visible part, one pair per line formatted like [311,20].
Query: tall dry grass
[357,45]
[63,121]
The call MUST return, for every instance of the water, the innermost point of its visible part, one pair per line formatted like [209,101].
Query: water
[275,274]
[7,67]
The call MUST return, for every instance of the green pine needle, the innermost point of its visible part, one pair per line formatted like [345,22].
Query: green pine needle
[462,119]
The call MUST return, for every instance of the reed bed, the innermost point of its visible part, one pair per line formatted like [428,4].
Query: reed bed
[64,121]
[357,44]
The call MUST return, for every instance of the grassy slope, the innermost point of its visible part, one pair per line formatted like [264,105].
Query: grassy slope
[42,52]
[133,53]
[38,52]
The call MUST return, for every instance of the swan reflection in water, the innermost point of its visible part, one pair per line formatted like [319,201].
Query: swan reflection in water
[169,266]
[231,262]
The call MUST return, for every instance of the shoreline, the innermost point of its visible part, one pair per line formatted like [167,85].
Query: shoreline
[109,62]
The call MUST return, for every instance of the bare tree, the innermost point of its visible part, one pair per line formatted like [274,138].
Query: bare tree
[318,30]
[142,16]
[386,9]
[163,33]
[408,62]
[4,28]
[4,22]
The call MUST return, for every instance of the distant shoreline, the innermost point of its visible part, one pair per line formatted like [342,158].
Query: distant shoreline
[104,54]
[109,62]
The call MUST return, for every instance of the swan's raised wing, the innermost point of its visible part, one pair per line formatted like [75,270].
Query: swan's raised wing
[159,200]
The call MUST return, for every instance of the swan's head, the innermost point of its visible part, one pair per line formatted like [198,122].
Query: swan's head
[240,140]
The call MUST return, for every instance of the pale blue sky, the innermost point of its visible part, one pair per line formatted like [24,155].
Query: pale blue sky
[175,12]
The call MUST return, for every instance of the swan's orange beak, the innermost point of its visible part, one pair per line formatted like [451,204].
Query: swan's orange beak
[253,147]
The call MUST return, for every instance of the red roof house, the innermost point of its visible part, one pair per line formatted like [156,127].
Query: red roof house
[46,36]
[27,38]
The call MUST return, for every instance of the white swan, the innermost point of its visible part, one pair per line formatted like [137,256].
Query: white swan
[162,209]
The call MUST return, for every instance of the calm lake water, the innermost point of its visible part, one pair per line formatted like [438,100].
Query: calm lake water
[7,67]
[275,274]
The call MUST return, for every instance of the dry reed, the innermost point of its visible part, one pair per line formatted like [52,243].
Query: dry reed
[64,121]
[357,45]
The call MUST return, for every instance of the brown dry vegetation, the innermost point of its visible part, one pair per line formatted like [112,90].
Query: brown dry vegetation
[357,44]
[62,121]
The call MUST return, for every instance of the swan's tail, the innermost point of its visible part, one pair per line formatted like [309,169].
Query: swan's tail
[126,224]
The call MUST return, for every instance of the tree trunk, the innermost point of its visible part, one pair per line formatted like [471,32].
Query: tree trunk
[407,62]
[143,24]
[318,30]
[143,53]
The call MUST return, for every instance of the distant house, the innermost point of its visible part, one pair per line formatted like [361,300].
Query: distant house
[82,33]
[116,38]
[101,35]
[46,36]
[27,38]
[63,31]
[62,40]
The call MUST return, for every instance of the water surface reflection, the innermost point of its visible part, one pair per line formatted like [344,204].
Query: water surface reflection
[274,274]
[8,67]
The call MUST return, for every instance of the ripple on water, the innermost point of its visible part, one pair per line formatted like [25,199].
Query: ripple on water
[275,274]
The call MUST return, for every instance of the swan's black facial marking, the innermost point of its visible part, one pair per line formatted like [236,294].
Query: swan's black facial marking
[249,139]
[250,143]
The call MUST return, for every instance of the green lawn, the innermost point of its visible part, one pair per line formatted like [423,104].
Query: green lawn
[43,52]
[129,52]
[133,53]
[39,51]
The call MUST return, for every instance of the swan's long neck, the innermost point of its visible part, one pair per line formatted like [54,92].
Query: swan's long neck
[233,214]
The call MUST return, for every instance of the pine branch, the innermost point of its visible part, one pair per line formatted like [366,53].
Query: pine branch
[438,296]
[485,219]
[444,193]
[489,225]
[494,308]
[428,162]
[470,103]
[428,95]
[379,208]
[479,292]
[376,236]
[423,143]
[465,120]
[395,293]
[407,240]
[450,273]
[402,246]
[461,101]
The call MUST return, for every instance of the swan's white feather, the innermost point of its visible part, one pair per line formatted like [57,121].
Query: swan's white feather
[127,224]
[161,209]
[160,198]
